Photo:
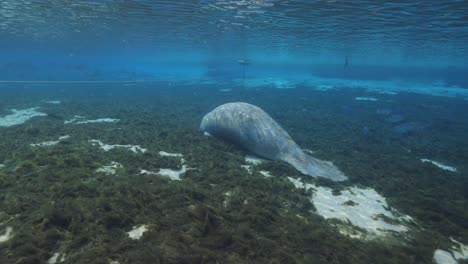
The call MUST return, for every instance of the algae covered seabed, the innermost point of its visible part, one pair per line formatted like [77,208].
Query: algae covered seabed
[75,198]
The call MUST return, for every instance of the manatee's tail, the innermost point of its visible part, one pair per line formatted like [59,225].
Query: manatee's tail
[315,167]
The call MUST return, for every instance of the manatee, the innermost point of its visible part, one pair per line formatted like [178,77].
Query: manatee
[253,129]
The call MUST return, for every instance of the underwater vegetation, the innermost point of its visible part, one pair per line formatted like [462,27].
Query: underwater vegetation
[94,190]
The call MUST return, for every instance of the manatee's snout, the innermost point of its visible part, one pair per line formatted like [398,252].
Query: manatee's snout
[203,124]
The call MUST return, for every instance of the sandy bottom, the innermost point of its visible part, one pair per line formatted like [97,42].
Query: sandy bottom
[129,178]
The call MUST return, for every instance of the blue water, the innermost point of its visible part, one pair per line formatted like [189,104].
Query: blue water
[158,39]
[100,111]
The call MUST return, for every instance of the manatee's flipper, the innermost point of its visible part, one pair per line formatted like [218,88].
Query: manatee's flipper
[315,167]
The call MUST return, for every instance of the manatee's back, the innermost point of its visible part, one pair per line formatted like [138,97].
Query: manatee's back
[253,129]
[250,127]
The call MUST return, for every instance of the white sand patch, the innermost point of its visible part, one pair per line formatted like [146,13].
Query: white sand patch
[74,119]
[390,87]
[207,134]
[137,232]
[363,208]
[110,169]
[206,81]
[283,84]
[277,83]
[106,147]
[49,143]
[387,92]
[55,102]
[1,166]
[77,119]
[227,198]
[248,168]
[167,154]
[57,257]
[147,172]
[443,257]
[308,151]
[300,185]
[457,252]
[19,117]
[100,120]
[175,155]
[324,87]
[170,173]
[440,165]
[173,174]
[365,212]
[372,99]
[7,235]
[254,160]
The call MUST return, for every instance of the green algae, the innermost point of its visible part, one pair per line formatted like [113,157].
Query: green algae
[89,181]
[57,202]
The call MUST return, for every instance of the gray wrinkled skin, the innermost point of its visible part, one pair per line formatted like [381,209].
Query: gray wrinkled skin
[253,129]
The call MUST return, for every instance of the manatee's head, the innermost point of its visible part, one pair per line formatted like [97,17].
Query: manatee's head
[217,116]
[206,121]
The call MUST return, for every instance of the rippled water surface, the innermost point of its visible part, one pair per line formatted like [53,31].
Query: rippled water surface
[422,27]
